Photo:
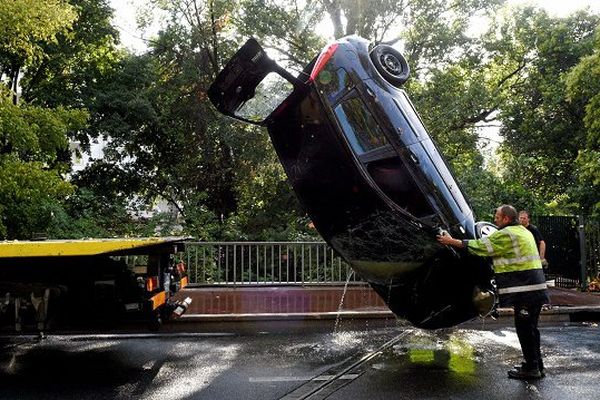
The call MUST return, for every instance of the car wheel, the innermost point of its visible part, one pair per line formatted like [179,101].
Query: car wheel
[390,64]
[483,229]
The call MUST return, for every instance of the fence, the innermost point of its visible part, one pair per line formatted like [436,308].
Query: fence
[561,235]
[573,254]
[591,256]
[242,263]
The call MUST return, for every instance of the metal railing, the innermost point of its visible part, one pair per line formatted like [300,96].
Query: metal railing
[572,248]
[573,251]
[244,263]
[591,238]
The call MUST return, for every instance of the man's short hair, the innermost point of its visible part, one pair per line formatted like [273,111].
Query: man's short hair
[509,211]
[524,212]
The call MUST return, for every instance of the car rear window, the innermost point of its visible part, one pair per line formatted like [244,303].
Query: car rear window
[359,126]
[334,82]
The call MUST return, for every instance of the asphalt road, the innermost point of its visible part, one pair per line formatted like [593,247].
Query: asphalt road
[397,362]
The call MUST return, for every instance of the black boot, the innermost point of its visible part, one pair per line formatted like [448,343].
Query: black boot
[524,365]
[525,373]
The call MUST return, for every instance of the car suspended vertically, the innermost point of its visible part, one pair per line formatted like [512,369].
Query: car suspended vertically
[367,173]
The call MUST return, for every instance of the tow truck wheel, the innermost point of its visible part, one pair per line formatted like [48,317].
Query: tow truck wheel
[155,323]
[390,64]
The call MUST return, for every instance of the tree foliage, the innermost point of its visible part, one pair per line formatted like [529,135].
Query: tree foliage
[164,140]
[583,91]
[543,130]
[25,25]
[34,151]
[33,141]
[534,75]
[30,195]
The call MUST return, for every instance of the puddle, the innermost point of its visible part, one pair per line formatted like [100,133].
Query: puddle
[436,351]
[334,344]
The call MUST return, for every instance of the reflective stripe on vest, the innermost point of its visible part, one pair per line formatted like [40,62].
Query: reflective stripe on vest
[502,265]
[520,289]
[488,245]
[515,243]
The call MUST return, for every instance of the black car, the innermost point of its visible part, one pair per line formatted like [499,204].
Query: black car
[367,173]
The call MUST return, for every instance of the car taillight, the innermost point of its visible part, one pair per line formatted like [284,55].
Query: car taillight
[324,57]
[151,283]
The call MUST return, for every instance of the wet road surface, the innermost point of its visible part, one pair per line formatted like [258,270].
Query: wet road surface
[373,363]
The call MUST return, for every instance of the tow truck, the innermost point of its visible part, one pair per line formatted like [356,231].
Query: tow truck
[100,283]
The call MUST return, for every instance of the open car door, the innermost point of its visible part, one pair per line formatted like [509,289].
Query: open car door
[251,86]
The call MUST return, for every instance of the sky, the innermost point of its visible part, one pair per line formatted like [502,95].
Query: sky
[132,37]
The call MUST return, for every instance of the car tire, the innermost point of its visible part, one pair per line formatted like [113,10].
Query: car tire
[483,229]
[390,64]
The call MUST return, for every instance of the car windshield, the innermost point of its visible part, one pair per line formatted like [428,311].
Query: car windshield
[359,126]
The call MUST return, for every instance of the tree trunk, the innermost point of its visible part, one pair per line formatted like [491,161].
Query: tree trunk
[14,85]
[335,13]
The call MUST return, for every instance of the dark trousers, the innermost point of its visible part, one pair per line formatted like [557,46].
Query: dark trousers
[526,324]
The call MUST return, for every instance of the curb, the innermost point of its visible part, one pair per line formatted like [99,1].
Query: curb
[555,314]
[286,316]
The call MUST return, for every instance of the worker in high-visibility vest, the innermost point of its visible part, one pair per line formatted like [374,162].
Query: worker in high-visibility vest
[520,281]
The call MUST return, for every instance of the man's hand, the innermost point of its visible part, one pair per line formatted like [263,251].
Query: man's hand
[448,240]
[445,238]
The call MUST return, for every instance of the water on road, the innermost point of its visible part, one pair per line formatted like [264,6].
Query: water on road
[398,362]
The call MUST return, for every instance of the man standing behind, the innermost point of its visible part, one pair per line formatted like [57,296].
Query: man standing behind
[520,281]
[539,240]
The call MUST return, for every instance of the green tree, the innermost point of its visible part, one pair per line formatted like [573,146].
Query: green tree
[32,187]
[543,130]
[74,65]
[71,72]
[34,154]
[165,140]
[25,26]
[283,26]
[583,89]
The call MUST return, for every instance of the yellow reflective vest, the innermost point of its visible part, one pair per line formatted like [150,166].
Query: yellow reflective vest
[519,275]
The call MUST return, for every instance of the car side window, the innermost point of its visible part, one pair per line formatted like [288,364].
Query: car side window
[378,156]
[359,126]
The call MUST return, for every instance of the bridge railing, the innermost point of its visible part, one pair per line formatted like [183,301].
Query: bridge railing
[246,263]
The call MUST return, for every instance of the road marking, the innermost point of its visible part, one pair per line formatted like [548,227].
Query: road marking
[267,379]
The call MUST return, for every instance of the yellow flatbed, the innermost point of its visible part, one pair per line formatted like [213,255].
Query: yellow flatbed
[84,247]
